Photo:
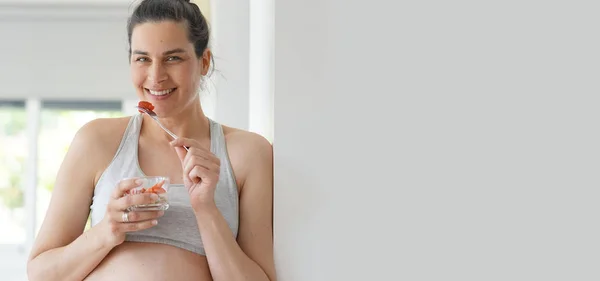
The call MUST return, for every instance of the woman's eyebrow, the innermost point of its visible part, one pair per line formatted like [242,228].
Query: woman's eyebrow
[170,52]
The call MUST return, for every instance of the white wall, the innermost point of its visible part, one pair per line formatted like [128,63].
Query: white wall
[261,72]
[436,140]
[64,52]
[231,36]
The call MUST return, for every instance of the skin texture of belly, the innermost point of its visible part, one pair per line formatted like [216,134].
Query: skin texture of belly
[149,262]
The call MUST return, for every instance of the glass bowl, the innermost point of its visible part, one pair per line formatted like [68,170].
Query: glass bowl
[158,185]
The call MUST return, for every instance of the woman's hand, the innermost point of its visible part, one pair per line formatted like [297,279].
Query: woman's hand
[117,220]
[201,171]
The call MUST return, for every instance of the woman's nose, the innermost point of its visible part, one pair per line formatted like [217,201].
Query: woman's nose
[157,73]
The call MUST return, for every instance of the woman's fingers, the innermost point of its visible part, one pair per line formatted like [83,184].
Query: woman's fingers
[199,164]
[189,143]
[134,217]
[124,221]
[118,220]
[209,177]
[134,199]
[194,149]
[198,168]
[193,161]
[203,153]
[135,226]
[124,186]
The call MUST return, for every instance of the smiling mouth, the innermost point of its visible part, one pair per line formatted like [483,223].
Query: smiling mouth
[161,93]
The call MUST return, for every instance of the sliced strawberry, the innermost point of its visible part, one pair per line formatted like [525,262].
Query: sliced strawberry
[146,105]
[156,189]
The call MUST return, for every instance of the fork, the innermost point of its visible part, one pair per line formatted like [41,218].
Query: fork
[152,114]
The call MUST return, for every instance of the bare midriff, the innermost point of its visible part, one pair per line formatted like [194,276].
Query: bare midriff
[149,262]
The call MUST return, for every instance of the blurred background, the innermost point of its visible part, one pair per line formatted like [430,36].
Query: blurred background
[65,63]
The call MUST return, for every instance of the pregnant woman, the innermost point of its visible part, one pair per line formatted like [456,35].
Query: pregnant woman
[219,222]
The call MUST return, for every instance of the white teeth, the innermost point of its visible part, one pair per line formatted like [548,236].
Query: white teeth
[161,93]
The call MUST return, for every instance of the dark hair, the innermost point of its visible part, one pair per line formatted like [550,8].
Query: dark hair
[174,10]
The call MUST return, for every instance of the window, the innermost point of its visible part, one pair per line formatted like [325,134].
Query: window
[60,120]
[13,213]
[13,154]
[34,138]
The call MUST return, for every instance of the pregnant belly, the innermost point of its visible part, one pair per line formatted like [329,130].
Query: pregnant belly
[151,261]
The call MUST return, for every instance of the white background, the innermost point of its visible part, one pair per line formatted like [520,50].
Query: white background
[444,140]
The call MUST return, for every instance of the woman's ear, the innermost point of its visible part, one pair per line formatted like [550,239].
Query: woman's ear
[206,61]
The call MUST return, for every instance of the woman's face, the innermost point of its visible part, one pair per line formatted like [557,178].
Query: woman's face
[164,67]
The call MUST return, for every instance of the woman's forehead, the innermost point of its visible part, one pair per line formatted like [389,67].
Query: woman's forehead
[160,35]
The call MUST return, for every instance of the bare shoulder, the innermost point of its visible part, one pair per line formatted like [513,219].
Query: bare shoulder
[245,140]
[247,151]
[101,131]
[99,140]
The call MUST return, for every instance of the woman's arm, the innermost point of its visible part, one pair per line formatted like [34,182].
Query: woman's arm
[251,256]
[72,262]
[61,251]
[76,260]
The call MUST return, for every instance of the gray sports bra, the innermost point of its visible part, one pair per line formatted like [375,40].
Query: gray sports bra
[178,226]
